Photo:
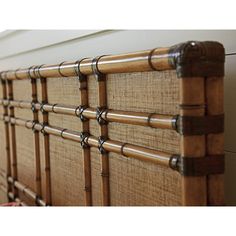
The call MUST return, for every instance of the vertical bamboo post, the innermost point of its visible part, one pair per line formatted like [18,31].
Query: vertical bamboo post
[13,138]
[192,101]
[102,103]
[7,137]
[83,86]
[48,198]
[215,142]
[36,137]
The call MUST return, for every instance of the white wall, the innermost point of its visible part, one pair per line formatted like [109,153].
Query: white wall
[26,47]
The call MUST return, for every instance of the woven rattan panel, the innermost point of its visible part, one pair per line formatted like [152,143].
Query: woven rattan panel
[132,182]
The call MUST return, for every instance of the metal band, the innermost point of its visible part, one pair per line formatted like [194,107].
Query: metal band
[59,69]
[78,72]
[101,141]
[62,133]
[43,129]
[99,113]
[81,110]
[83,139]
[149,120]
[33,108]
[18,78]
[38,71]
[33,126]
[200,125]
[198,166]
[122,149]
[41,108]
[150,59]
[98,74]
[53,106]
[28,72]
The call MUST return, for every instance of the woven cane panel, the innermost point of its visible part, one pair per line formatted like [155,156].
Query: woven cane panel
[66,172]
[25,156]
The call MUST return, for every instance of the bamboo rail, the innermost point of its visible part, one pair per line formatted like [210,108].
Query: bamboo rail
[156,59]
[135,118]
[125,149]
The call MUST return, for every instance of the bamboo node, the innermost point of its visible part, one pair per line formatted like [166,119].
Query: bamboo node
[59,69]
[62,133]
[78,72]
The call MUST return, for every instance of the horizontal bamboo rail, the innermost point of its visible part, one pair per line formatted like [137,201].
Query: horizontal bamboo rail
[10,194]
[135,118]
[125,149]
[156,59]
[27,191]
[23,188]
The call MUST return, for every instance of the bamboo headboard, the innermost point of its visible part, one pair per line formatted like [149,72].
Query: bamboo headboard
[144,128]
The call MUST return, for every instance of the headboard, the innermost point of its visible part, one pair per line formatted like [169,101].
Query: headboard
[143,128]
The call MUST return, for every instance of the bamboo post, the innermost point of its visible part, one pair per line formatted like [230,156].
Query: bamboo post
[36,138]
[192,103]
[103,130]
[46,139]
[215,142]
[13,138]
[7,137]
[83,86]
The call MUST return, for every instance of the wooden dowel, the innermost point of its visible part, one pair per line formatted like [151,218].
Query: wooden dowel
[158,59]
[127,117]
[48,197]
[129,150]
[7,135]
[36,140]
[21,203]
[13,137]
[83,87]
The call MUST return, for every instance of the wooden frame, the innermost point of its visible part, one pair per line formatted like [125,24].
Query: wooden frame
[200,69]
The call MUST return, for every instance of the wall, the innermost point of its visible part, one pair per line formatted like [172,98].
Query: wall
[24,48]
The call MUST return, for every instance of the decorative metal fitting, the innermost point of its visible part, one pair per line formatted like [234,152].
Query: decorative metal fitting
[33,108]
[150,59]
[99,113]
[101,141]
[81,109]
[43,129]
[98,74]
[59,69]
[42,109]
[53,106]
[174,162]
[18,78]
[78,72]
[83,139]
[62,133]
[33,126]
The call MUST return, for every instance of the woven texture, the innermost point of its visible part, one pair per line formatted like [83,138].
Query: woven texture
[132,182]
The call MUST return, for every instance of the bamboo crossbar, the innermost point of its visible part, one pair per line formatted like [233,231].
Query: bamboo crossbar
[125,149]
[156,59]
[135,118]
[9,193]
